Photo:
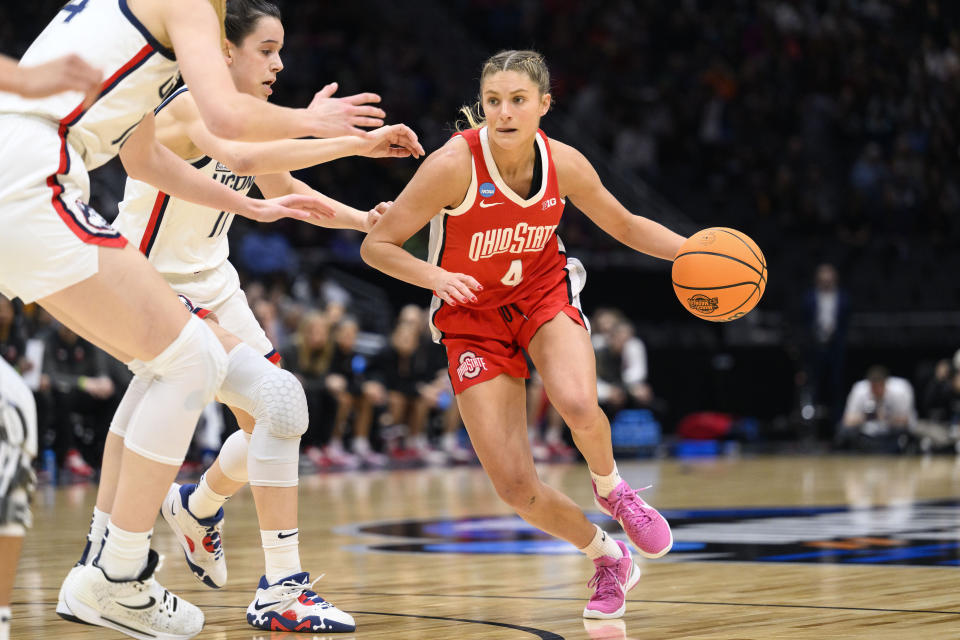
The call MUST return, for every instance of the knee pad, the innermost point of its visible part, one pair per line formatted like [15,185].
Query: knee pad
[233,456]
[186,376]
[131,400]
[276,401]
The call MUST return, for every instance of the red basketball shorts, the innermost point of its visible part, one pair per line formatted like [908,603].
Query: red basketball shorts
[483,343]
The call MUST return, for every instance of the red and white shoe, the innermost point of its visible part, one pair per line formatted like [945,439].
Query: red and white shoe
[290,605]
[199,538]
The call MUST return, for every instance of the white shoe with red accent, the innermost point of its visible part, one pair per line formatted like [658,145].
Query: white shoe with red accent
[199,537]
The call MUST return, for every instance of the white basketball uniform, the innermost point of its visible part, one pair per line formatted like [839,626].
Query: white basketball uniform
[49,232]
[18,447]
[187,243]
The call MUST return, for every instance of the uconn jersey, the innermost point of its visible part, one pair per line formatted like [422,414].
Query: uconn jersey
[138,74]
[177,236]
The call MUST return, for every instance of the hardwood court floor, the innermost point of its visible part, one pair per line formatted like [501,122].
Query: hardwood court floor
[770,547]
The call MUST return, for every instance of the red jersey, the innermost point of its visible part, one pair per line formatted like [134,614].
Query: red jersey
[505,241]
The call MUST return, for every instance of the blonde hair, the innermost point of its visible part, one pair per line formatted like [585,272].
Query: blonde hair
[530,63]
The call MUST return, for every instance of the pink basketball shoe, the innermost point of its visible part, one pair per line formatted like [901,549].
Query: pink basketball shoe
[646,528]
[613,578]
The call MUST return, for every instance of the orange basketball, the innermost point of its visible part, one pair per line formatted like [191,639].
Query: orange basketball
[719,274]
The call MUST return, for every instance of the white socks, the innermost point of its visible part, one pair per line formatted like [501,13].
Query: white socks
[124,553]
[204,502]
[602,545]
[281,553]
[98,526]
[606,484]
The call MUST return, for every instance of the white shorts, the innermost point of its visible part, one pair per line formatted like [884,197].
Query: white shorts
[218,291]
[49,234]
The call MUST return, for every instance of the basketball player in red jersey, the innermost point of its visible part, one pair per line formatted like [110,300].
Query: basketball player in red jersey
[502,283]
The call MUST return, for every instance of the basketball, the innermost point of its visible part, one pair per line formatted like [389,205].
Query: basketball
[719,274]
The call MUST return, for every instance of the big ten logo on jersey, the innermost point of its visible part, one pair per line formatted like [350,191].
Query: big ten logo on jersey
[232,180]
[521,238]
[549,202]
[470,365]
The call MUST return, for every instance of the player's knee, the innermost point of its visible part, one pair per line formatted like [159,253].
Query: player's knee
[282,405]
[518,491]
[195,356]
[578,406]
[233,456]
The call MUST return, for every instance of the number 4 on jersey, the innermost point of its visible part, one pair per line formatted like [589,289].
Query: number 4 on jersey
[514,274]
[74,8]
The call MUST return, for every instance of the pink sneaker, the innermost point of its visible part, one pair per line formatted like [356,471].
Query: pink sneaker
[614,577]
[646,528]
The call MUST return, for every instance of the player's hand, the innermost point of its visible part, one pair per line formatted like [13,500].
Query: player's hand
[99,387]
[343,116]
[392,141]
[69,73]
[374,215]
[294,206]
[455,287]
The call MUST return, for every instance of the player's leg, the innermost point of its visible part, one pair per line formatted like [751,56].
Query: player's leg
[563,354]
[10,544]
[271,409]
[495,415]
[127,308]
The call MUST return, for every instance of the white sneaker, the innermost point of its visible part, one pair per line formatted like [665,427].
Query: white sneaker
[290,605]
[62,609]
[139,608]
[199,538]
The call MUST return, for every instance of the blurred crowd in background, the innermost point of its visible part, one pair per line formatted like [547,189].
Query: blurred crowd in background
[827,130]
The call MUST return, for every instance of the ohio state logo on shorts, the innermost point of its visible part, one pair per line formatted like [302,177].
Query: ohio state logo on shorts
[470,365]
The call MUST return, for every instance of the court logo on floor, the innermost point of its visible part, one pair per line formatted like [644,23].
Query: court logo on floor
[915,534]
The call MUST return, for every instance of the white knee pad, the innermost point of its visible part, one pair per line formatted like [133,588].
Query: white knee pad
[233,456]
[276,401]
[131,400]
[187,375]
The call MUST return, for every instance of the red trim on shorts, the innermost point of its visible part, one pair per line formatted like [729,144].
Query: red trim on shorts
[201,313]
[89,238]
[273,357]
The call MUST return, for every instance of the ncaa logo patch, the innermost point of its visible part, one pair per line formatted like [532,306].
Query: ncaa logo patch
[470,365]
[487,189]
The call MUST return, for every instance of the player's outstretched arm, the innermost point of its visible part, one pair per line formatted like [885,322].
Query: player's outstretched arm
[579,182]
[344,216]
[256,158]
[145,159]
[441,181]
[69,73]
[192,27]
